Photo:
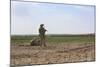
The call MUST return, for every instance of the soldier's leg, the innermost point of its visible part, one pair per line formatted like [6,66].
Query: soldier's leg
[44,42]
[40,40]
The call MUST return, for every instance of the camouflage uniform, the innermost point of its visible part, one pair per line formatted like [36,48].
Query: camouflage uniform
[42,31]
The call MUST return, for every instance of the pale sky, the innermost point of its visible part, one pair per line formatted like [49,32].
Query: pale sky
[58,18]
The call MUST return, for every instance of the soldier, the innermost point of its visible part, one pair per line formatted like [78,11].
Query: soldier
[42,31]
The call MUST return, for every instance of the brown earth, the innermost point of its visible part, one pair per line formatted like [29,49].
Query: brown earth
[53,53]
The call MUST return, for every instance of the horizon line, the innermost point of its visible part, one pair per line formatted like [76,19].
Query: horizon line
[58,34]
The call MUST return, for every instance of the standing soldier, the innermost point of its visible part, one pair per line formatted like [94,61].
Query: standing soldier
[42,31]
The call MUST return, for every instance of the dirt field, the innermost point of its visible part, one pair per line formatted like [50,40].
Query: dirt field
[53,53]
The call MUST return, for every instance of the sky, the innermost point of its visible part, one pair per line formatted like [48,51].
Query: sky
[26,18]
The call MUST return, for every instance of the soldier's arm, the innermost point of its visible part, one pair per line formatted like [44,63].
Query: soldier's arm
[45,30]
